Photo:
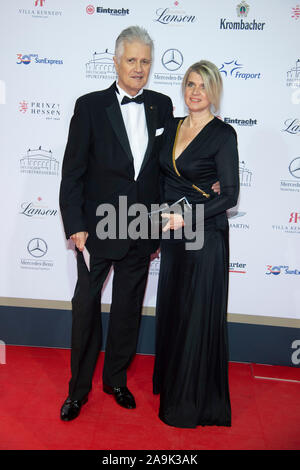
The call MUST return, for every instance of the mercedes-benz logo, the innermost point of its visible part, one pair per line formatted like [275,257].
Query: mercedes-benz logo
[172,59]
[294,167]
[37,247]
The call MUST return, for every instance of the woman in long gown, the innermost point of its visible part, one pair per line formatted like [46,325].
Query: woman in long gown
[191,366]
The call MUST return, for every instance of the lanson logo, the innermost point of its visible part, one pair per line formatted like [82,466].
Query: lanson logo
[37,209]
[173,17]
[292,126]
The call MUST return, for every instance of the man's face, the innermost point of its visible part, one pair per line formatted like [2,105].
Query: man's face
[134,67]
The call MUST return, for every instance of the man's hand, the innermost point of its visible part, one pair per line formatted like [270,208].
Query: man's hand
[79,239]
[216,187]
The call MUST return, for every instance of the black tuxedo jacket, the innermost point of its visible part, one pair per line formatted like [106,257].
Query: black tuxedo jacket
[98,167]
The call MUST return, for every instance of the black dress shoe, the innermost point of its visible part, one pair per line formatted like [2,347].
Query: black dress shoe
[122,395]
[71,408]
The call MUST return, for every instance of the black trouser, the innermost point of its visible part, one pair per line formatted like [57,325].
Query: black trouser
[129,283]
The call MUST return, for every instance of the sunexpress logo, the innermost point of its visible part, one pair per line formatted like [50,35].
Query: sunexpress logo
[27,59]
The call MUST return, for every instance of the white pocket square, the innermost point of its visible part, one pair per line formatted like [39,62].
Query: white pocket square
[159,131]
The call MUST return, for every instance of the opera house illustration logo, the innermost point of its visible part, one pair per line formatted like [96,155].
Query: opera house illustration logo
[39,162]
[101,66]
[245,175]
[293,76]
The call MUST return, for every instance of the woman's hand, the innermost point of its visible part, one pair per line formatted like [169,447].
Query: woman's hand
[174,223]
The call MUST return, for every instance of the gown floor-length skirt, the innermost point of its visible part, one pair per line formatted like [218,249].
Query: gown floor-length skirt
[191,367]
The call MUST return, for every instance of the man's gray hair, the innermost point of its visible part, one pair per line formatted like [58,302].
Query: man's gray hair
[132,34]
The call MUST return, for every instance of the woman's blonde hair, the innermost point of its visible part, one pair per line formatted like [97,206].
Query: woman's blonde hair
[211,78]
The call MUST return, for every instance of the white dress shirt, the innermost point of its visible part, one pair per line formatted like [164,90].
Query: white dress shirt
[136,127]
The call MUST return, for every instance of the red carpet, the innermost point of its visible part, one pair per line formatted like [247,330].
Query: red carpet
[33,385]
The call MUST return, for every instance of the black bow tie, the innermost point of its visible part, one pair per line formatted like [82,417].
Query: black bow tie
[138,99]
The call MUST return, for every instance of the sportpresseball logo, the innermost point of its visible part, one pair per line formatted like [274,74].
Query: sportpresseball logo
[101,66]
[39,162]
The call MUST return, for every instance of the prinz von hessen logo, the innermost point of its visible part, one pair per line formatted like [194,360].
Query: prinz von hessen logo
[242,10]
[174,16]
[42,109]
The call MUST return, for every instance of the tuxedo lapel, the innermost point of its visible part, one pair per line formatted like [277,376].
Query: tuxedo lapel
[151,117]
[117,123]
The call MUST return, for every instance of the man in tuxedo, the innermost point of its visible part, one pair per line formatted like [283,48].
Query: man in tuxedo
[111,152]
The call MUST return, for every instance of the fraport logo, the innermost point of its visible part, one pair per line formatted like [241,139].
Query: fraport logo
[232,69]
[281,269]
[26,59]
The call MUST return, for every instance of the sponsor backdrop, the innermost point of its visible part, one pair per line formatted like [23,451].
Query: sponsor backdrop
[56,50]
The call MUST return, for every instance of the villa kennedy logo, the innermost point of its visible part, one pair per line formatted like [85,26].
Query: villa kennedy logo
[37,10]
[232,69]
[291,224]
[174,16]
[242,10]
[90,9]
